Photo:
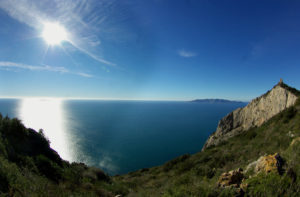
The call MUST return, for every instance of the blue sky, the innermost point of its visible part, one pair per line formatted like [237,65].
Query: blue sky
[149,50]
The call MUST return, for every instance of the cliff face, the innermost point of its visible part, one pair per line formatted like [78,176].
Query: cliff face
[255,113]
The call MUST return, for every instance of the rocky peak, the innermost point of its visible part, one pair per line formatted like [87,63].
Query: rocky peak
[258,111]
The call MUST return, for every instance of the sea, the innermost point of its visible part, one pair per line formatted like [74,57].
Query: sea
[119,136]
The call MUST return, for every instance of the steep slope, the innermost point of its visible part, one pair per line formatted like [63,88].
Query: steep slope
[198,174]
[29,167]
[254,114]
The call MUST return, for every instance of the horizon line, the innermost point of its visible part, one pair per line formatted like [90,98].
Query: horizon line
[113,99]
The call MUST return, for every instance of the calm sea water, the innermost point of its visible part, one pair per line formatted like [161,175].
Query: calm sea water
[119,136]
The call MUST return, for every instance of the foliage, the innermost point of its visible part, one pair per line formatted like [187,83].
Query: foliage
[196,175]
[29,167]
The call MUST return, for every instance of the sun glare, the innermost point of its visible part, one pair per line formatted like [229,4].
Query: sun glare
[47,114]
[54,33]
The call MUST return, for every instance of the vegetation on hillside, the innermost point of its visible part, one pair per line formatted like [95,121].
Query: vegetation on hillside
[197,175]
[29,167]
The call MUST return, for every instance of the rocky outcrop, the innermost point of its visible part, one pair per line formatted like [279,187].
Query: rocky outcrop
[238,180]
[254,114]
[269,163]
[231,178]
[266,164]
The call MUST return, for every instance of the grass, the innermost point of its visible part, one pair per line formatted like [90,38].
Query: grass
[196,175]
[29,167]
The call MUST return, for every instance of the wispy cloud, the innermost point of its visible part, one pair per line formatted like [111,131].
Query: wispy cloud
[84,75]
[41,68]
[187,54]
[81,18]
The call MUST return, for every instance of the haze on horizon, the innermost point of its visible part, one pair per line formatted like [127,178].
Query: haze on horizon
[147,50]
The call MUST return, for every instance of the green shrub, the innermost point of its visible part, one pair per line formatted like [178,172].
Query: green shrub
[182,180]
[4,185]
[117,188]
[185,166]
[180,191]
[170,164]
[251,134]
[270,184]
[48,168]
[3,151]
[205,171]
[289,114]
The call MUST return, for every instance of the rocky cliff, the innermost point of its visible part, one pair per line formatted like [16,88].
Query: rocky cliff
[254,114]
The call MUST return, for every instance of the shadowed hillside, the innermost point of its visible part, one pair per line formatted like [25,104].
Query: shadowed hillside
[29,167]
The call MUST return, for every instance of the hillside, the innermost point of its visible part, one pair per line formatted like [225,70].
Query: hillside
[29,167]
[200,174]
[262,160]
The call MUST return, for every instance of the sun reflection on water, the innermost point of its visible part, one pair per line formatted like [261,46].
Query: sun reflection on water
[47,114]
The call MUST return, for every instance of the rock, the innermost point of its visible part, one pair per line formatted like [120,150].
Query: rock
[254,114]
[291,134]
[269,163]
[297,139]
[119,195]
[232,178]
[250,166]
[244,186]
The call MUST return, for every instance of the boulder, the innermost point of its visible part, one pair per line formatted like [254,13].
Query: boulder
[231,178]
[269,163]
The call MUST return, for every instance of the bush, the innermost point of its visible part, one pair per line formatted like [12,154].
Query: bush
[170,164]
[182,180]
[48,168]
[289,114]
[205,171]
[250,134]
[4,185]
[270,184]
[185,166]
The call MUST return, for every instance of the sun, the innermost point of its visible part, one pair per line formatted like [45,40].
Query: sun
[54,33]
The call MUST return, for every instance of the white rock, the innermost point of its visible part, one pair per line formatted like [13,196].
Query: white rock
[258,111]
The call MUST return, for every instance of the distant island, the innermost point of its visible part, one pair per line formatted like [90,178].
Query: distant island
[215,101]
